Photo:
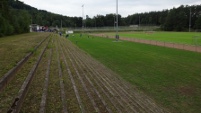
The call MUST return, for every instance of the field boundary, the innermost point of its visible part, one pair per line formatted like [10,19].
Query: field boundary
[194,48]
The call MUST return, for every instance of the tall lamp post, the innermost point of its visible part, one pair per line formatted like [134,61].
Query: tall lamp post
[61,24]
[139,21]
[117,35]
[82,17]
[190,20]
[114,22]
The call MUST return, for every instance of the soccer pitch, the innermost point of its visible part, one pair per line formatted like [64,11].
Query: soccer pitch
[169,76]
[189,38]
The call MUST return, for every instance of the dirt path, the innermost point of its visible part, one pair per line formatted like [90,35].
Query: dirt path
[157,43]
[69,80]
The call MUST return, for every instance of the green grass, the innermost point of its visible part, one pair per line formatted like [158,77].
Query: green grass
[14,48]
[174,37]
[171,77]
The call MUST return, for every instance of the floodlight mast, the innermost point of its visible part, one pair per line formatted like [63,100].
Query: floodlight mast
[61,27]
[190,20]
[117,35]
[139,20]
[82,17]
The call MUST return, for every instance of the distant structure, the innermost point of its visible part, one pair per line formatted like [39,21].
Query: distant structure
[38,28]
[34,27]
[134,26]
[69,32]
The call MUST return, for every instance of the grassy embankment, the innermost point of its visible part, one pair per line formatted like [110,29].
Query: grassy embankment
[14,48]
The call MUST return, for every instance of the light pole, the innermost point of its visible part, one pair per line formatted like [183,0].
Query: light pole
[117,35]
[82,17]
[61,24]
[114,22]
[95,21]
[190,21]
[139,20]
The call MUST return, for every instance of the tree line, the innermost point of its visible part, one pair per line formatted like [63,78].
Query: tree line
[10,20]
[15,18]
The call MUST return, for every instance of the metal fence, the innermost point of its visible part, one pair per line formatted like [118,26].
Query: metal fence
[120,28]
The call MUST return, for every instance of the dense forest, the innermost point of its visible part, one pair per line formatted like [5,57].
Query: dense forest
[15,18]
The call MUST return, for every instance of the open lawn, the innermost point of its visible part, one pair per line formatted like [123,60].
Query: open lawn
[192,38]
[172,77]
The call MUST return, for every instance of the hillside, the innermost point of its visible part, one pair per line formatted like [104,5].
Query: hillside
[15,18]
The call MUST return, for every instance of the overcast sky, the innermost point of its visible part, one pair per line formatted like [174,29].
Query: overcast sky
[93,7]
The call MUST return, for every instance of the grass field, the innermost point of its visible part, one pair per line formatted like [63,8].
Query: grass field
[172,77]
[174,37]
[14,48]
[59,77]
